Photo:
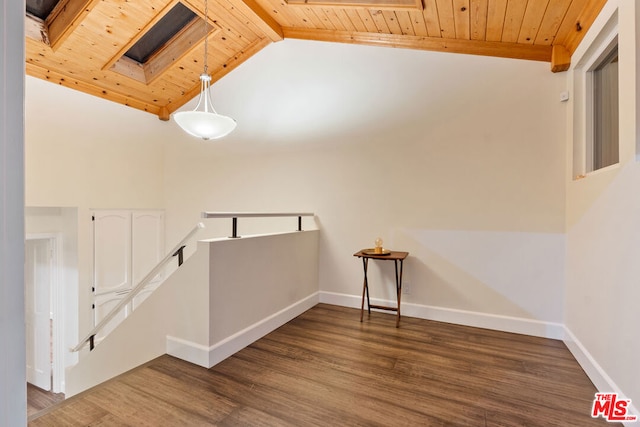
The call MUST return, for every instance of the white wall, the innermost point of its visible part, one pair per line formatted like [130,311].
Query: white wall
[13,394]
[603,233]
[84,151]
[457,159]
[88,153]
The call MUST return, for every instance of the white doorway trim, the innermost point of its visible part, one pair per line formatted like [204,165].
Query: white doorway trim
[57,308]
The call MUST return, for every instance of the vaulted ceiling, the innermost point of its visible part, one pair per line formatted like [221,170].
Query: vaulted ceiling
[126,52]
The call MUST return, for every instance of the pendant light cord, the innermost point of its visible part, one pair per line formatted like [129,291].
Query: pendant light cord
[206,36]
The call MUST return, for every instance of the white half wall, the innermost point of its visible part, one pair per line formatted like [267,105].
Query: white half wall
[255,277]
[252,279]
[257,284]
[229,293]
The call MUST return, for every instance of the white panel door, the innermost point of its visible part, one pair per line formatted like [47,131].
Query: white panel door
[103,304]
[38,271]
[111,251]
[148,250]
[147,243]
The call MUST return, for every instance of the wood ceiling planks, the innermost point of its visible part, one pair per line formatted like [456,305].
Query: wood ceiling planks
[553,18]
[461,19]
[531,21]
[496,12]
[478,19]
[81,43]
[513,21]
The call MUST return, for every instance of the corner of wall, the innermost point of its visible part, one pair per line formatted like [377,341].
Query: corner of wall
[600,379]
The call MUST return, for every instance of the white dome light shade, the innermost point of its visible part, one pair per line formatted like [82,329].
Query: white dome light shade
[205,124]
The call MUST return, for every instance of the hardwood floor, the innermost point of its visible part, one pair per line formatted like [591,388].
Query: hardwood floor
[325,368]
[38,399]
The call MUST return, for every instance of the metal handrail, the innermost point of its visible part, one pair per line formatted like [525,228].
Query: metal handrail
[252,214]
[89,338]
[235,215]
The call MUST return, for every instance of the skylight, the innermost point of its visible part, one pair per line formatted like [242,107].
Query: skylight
[166,28]
[41,8]
[161,44]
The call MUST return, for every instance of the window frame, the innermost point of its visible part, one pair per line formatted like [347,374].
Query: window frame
[583,108]
[592,122]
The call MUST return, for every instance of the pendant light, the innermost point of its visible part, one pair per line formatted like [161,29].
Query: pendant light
[205,123]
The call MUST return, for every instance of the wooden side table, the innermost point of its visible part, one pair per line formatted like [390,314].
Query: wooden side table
[395,256]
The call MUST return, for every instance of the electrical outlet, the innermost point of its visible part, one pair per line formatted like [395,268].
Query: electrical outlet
[406,288]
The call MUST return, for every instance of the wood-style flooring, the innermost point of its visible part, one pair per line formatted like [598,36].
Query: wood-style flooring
[38,399]
[325,368]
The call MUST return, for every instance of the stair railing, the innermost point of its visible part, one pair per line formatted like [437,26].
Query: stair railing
[176,251]
[235,215]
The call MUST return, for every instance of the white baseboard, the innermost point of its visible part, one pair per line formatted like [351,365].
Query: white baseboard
[460,317]
[227,347]
[210,356]
[594,371]
[190,351]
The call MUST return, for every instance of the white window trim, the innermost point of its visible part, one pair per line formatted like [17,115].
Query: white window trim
[583,133]
[605,49]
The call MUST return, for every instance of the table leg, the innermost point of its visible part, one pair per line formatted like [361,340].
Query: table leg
[398,289]
[365,289]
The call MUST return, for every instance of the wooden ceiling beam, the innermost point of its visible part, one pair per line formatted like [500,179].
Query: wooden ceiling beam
[264,20]
[91,89]
[560,59]
[255,14]
[367,4]
[500,28]
[471,47]
[65,18]
[125,48]
[580,26]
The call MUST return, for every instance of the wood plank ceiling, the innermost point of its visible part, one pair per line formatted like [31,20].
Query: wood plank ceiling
[81,43]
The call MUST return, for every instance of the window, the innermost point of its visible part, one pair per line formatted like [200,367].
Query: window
[595,101]
[40,8]
[161,45]
[603,148]
[166,28]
